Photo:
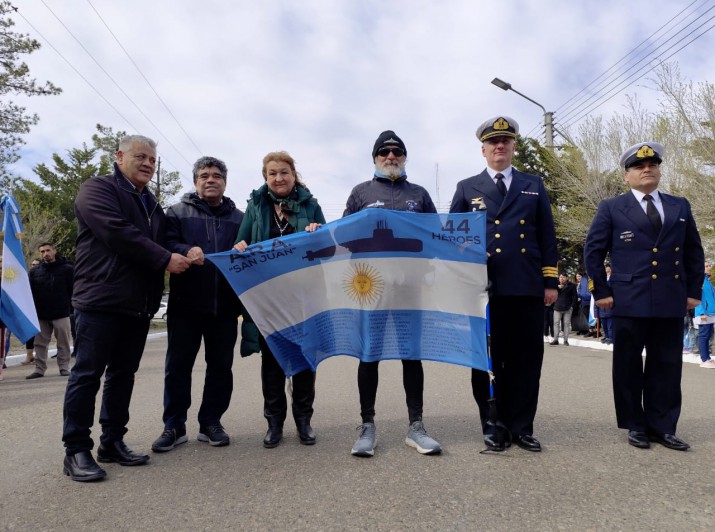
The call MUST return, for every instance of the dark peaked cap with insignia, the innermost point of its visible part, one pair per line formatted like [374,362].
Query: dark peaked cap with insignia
[387,138]
[498,126]
[643,151]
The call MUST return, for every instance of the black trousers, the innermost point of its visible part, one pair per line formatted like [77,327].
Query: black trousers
[273,381]
[219,334]
[647,396]
[413,380]
[111,345]
[517,351]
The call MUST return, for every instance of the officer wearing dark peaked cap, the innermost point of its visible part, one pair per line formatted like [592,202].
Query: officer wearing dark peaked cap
[657,275]
[521,243]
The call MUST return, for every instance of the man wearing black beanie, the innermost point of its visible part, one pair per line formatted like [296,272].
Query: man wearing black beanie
[389,189]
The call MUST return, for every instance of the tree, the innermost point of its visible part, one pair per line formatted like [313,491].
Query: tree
[57,190]
[106,141]
[15,80]
[165,186]
[588,171]
[40,226]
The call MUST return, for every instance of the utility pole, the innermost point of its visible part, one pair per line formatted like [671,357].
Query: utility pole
[436,179]
[158,178]
[548,115]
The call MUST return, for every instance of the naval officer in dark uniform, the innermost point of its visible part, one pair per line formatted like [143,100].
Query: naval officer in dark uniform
[521,243]
[656,259]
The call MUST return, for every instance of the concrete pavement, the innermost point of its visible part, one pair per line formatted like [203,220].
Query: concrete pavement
[586,478]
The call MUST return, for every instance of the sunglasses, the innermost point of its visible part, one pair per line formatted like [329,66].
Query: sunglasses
[384,152]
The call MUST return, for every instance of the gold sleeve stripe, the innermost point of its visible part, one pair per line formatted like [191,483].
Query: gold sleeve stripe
[590,285]
[550,271]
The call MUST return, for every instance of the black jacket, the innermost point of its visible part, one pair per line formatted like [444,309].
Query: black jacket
[567,297]
[120,260]
[398,195]
[202,289]
[51,284]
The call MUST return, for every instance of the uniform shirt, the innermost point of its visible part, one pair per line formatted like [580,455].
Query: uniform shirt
[506,173]
[644,204]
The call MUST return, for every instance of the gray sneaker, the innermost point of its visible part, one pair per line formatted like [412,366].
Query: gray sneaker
[365,444]
[418,438]
[169,439]
[214,435]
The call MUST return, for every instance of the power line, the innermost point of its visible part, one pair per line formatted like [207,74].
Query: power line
[615,83]
[158,129]
[75,69]
[566,105]
[145,79]
[69,63]
[597,105]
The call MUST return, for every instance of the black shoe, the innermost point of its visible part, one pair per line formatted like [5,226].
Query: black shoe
[528,442]
[169,439]
[214,435]
[496,444]
[555,342]
[638,439]
[119,452]
[273,436]
[671,441]
[82,467]
[35,375]
[305,433]
[566,342]
[65,372]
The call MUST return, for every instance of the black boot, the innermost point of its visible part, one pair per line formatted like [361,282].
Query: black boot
[275,405]
[305,432]
[274,435]
[302,405]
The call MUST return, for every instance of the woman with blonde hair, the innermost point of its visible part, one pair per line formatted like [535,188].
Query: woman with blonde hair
[282,206]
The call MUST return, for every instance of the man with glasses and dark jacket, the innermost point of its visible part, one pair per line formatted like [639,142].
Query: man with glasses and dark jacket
[389,189]
[202,305]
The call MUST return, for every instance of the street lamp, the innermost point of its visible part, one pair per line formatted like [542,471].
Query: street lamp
[548,115]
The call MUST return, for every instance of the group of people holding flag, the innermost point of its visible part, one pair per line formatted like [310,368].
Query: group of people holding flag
[391,280]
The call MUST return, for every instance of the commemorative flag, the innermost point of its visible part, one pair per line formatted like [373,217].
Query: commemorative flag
[376,285]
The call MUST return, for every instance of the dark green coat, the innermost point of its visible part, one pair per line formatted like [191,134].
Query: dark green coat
[256,226]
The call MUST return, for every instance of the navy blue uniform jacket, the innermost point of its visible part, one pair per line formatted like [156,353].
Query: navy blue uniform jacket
[521,239]
[652,275]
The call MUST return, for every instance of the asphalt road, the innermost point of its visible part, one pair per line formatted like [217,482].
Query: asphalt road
[587,478]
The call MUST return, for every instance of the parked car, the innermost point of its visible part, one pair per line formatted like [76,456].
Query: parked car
[161,313]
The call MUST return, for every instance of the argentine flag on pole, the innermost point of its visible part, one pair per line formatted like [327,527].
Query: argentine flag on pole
[17,309]
[375,285]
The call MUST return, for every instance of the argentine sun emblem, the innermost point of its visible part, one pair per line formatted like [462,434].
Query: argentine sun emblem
[363,283]
[9,274]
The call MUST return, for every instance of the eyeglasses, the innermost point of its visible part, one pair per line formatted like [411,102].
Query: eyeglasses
[207,175]
[384,152]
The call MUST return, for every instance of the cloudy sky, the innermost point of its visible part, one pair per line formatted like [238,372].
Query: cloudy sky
[322,78]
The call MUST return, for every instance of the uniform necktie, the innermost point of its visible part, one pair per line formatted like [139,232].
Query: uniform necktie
[652,213]
[501,187]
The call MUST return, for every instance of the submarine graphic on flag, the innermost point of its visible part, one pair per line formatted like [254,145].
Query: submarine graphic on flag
[383,239]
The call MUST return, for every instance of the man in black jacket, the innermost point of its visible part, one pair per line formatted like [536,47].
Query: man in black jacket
[389,189]
[51,285]
[563,308]
[119,279]
[201,305]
